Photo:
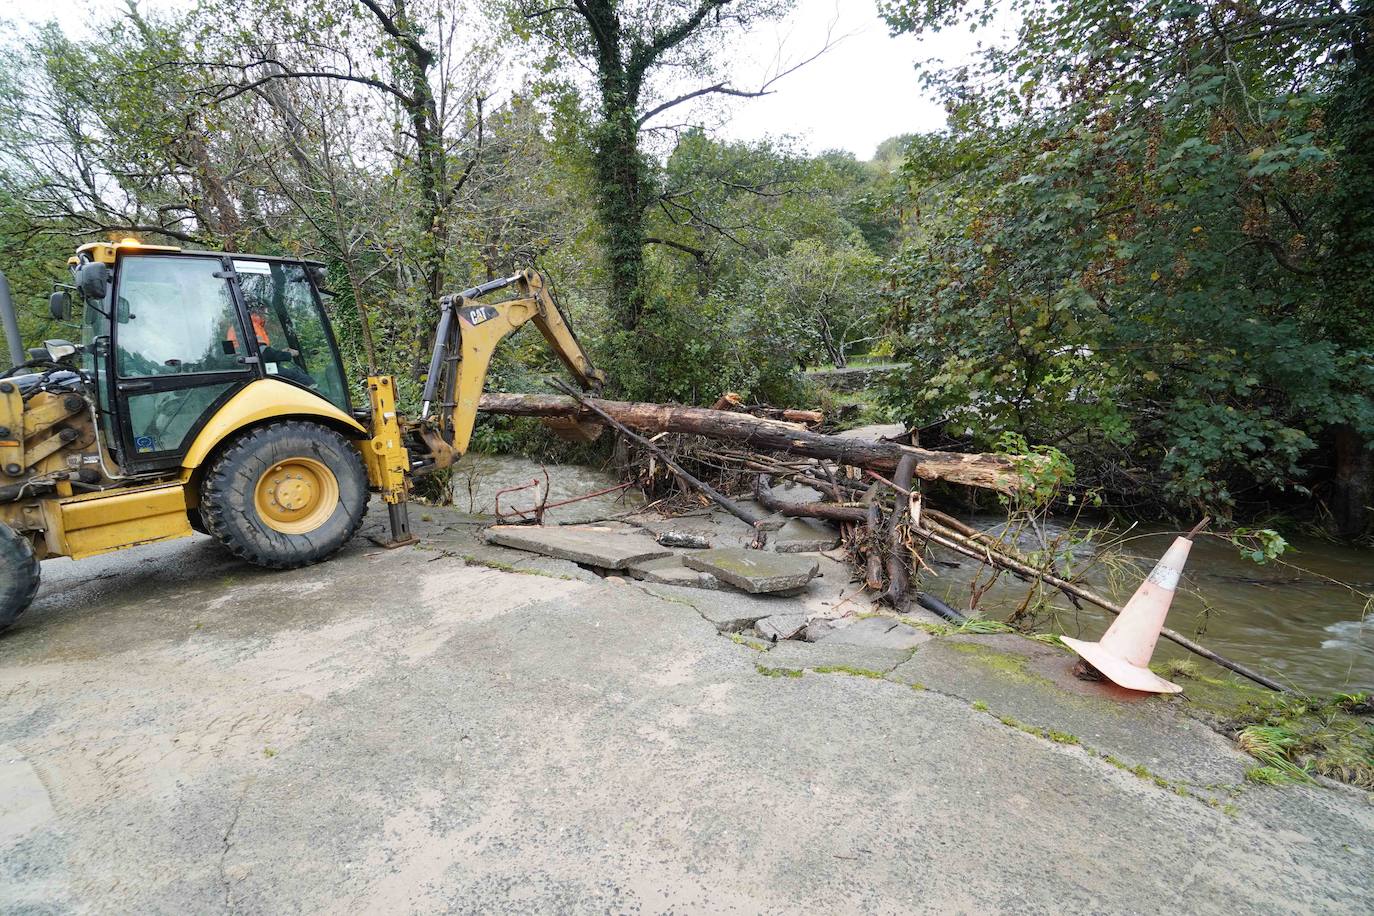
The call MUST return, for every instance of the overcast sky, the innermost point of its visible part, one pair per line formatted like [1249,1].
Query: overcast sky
[861,92]
[858,94]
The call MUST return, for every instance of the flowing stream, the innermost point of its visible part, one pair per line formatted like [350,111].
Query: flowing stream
[1286,619]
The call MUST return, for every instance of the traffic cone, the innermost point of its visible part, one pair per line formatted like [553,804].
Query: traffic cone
[1123,653]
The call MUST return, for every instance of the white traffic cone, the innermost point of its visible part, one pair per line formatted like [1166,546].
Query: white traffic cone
[1123,653]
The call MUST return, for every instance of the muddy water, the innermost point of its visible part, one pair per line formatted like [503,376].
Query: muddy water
[1285,619]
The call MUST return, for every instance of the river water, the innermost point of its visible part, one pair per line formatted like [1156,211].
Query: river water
[1285,619]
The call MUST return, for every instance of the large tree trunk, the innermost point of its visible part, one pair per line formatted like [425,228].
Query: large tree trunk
[991,472]
[620,204]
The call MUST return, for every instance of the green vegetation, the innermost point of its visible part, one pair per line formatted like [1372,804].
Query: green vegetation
[1156,217]
[778,672]
[849,669]
[1141,248]
[1295,738]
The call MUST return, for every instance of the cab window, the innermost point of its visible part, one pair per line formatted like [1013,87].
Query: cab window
[173,316]
[293,339]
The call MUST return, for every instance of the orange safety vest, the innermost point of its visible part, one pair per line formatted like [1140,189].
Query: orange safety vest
[259,331]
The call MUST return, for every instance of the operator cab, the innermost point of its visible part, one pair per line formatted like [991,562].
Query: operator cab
[170,336]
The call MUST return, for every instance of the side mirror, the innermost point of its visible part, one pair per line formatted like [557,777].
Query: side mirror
[92,280]
[60,305]
[59,350]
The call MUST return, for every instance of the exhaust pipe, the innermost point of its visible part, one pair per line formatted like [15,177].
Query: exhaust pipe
[10,321]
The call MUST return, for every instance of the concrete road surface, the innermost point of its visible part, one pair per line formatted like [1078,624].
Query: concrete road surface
[402,731]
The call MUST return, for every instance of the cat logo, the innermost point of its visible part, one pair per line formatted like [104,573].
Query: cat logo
[476,314]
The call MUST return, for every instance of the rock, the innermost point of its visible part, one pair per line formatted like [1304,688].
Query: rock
[805,535]
[670,570]
[781,626]
[877,632]
[682,539]
[755,571]
[794,655]
[822,627]
[608,548]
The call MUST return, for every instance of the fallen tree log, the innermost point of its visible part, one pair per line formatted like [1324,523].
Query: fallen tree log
[992,472]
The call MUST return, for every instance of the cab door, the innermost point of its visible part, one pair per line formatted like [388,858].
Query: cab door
[178,353]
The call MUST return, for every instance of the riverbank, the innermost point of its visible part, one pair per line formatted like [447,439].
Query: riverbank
[462,726]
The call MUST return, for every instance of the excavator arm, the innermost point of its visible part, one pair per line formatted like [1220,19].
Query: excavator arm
[468,333]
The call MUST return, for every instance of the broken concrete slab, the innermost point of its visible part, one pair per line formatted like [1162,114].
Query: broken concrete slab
[877,632]
[1032,683]
[755,571]
[731,611]
[821,627]
[780,626]
[601,546]
[805,535]
[794,655]
[670,570]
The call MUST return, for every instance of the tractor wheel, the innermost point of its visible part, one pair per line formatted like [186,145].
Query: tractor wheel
[19,582]
[285,495]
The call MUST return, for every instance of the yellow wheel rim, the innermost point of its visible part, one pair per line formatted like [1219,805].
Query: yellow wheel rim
[296,496]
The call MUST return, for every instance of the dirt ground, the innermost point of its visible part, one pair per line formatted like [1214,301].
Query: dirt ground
[456,728]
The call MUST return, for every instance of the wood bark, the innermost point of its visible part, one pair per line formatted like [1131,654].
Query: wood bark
[990,472]
[898,575]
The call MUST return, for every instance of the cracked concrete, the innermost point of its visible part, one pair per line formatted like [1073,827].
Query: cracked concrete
[409,731]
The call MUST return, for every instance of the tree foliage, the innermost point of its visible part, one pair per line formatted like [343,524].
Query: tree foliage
[1135,207]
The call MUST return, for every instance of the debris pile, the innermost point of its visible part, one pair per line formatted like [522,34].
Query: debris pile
[863,496]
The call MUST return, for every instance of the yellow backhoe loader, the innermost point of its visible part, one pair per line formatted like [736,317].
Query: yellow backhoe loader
[207,394]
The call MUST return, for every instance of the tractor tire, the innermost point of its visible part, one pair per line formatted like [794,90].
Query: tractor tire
[285,495]
[19,575]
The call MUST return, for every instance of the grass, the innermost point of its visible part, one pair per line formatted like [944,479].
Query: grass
[1178,669]
[777,672]
[754,644]
[1274,746]
[1297,737]
[849,669]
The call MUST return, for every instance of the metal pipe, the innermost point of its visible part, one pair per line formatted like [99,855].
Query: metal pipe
[436,359]
[10,320]
[490,286]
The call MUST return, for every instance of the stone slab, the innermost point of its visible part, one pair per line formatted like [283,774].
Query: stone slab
[730,611]
[804,535]
[755,571]
[794,655]
[878,632]
[608,548]
[1032,683]
[780,626]
[670,570]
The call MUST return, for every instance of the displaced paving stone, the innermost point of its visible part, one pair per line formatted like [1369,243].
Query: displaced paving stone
[822,627]
[781,626]
[794,655]
[1032,683]
[608,548]
[671,570]
[878,632]
[731,611]
[805,535]
[755,571]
